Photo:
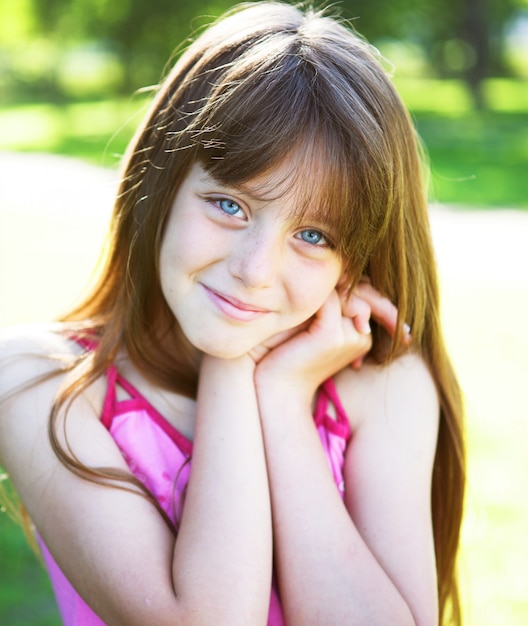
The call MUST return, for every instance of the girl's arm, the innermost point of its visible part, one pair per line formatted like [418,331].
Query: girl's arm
[370,560]
[113,545]
[225,542]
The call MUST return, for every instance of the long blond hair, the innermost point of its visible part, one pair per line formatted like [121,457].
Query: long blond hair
[265,81]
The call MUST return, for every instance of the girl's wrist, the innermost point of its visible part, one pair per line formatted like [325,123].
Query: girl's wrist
[242,364]
[282,391]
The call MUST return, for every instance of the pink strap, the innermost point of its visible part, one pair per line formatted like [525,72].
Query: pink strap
[341,425]
[110,398]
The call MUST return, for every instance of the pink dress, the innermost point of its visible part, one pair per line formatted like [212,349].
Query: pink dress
[159,456]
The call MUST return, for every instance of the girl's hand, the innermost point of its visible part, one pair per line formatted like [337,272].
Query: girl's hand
[337,335]
[366,302]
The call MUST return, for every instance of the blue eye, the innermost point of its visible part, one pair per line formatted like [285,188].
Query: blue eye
[314,237]
[229,206]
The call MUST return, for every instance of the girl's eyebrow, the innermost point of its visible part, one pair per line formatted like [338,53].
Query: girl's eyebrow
[251,193]
[248,192]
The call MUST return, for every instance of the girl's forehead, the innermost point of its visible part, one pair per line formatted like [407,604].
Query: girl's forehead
[262,188]
[306,183]
[279,181]
[299,179]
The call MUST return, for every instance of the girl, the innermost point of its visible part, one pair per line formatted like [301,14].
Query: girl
[191,442]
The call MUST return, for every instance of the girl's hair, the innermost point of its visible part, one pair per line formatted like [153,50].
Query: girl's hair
[264,83]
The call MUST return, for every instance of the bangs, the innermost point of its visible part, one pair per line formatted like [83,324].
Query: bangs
[308,173]
[248,127]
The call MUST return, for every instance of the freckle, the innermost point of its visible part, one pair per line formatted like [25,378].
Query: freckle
[165,476]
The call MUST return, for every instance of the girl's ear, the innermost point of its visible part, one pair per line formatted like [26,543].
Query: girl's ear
[346,282]
[343,280]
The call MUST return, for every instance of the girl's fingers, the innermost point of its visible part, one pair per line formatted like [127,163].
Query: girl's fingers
[382,309]
[358,310]
[366,302]
[356,365]
[260,351]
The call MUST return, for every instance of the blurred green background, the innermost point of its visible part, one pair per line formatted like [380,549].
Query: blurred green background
[69,69]
[72,79]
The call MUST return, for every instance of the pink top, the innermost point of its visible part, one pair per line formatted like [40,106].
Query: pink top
[159,456]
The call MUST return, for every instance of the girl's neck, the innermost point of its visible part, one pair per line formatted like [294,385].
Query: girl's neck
[177,409]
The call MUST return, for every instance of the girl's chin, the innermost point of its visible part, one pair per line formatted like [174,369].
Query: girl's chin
[224,354]
[221,351]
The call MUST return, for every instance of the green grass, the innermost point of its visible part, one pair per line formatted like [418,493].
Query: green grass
[26,598]
[95,131]
[490,357]
[22,577]
[478,158]
[452,98]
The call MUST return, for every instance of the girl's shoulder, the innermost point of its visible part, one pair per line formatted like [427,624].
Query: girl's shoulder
[34,364]
[393,391]
[34,361]
[36,339]
[39,338]
[28,353]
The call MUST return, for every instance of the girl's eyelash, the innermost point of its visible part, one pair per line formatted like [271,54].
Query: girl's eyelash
[312,233]
[227,205]
[312,236]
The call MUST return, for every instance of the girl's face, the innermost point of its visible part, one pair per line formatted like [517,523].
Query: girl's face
[237,267]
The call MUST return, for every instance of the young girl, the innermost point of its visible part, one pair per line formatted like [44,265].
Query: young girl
[236,425]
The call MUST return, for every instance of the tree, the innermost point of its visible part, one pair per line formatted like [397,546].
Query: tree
[459,37]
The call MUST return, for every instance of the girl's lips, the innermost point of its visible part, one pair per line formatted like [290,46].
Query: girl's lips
[233,308]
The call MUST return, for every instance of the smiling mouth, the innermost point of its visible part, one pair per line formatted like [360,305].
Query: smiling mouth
[234,308]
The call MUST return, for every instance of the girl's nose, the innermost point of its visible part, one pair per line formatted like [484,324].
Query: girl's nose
[256,260]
